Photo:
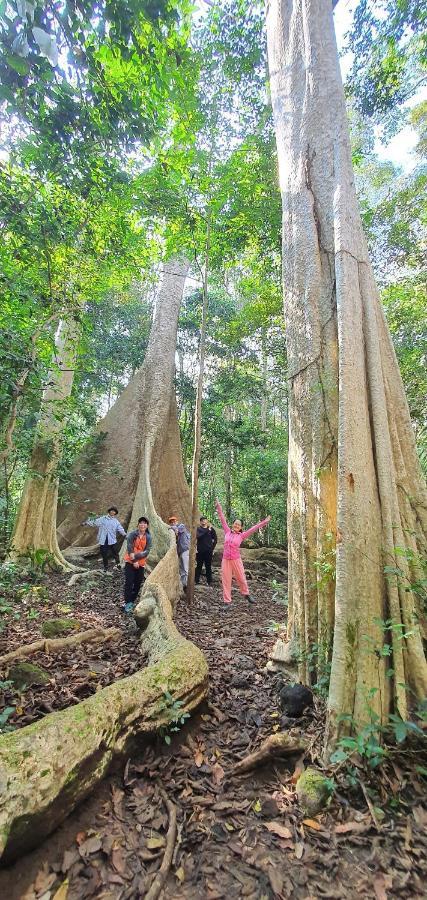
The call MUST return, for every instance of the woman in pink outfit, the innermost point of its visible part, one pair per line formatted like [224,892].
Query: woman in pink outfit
[232,564]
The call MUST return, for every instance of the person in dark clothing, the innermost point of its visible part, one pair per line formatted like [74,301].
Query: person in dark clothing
[137,550]
[206,543]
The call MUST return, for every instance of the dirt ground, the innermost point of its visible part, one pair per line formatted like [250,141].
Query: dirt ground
[237,836]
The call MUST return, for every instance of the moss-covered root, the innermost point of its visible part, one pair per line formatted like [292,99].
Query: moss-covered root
[47,768]
[53,628]
[312,791]
[24,674]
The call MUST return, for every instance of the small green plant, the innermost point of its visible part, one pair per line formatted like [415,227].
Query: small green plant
[176,717]
[33,614]
[373,743]
[5,608]
[40,560]
[325,565]
[318,662]
[369,742]
[10,578]
[280,593]
[4,719]
[417,564]
[276,627]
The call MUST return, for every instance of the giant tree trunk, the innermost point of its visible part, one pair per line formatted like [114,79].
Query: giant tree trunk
[35,526]
[142,424]
[355,486]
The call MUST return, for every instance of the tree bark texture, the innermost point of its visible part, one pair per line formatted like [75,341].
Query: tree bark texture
[35,525]
[355,487]
[139,431]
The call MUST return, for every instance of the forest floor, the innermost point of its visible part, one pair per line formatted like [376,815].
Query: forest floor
[237,836]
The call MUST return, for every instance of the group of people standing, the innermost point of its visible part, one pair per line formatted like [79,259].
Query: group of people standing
[139,542]
[206,542]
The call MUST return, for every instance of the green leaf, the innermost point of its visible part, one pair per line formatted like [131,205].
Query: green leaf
[400,731]
[338,756]
[17,63]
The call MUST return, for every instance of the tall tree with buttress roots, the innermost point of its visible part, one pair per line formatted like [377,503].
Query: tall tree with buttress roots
[357,501]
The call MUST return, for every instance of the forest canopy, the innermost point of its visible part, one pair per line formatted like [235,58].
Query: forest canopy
[122,129]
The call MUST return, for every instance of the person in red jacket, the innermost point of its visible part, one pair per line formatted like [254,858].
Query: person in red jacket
[232,565]
[137,550]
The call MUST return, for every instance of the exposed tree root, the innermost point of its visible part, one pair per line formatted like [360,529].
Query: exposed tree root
[54,645]
[49,767]
[281,744]
[157,886]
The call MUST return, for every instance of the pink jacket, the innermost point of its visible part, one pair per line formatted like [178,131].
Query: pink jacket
[232,541]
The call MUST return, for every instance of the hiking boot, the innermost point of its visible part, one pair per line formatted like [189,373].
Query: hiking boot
[250,599]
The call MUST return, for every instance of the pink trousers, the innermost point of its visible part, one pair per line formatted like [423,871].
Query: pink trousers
[233,568]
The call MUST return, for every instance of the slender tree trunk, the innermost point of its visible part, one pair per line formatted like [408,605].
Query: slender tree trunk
[355,487]
[19,390]
[227,482]
[198,427]
[35,526]
[264,375]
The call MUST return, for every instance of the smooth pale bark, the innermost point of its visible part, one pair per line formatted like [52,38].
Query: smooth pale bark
[161,489]
[137,442]
[35,525]
[355,486]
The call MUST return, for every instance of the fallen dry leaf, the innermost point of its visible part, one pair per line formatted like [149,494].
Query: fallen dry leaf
[180,874]
[276,880]
[382,883]
[312,823]
[217,773]
[92,845]
[118,861]
[44,880]
[61,893]
[155,842]
[279,829]
[299,850]
[358,827]
[199,758]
